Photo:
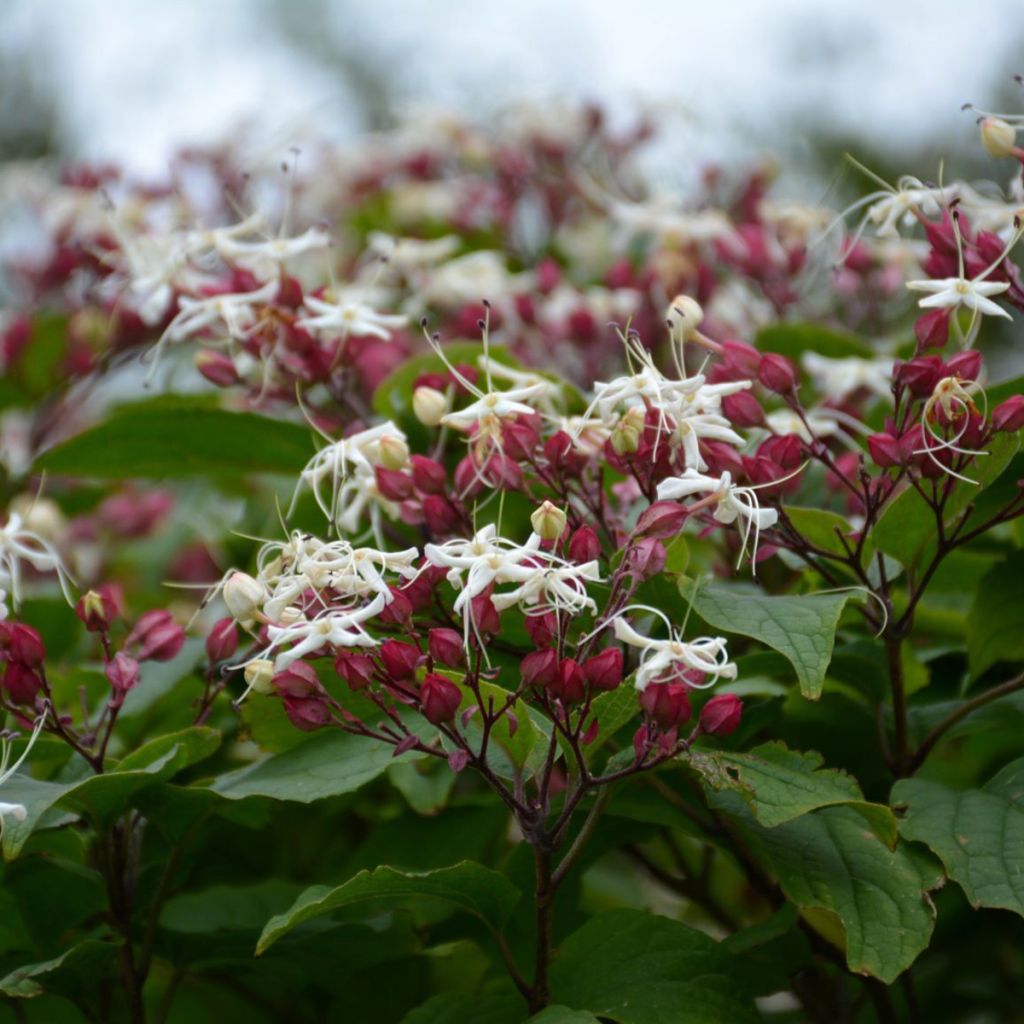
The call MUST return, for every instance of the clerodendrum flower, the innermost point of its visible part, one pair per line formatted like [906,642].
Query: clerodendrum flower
[731,502]
[18,544]
[670,660]
[334,627]
[837,378]
[342,319]
[16,811]
[953,398]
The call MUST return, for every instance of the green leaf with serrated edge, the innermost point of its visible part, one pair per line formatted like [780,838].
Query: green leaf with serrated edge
[781,784]
[802,628]
[168,439]
[327,764]
[639,968]
[906,527]
[792,340]
[978,834]
[994,622]
[485,894]
[823,529]
[847,881]
[86,959]
[103,797]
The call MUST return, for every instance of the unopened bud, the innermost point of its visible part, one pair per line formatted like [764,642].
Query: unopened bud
[428,475]
[96,609]
[626,434]
[777,373]
[123,673]
[548,521]
[259,676]
[439,699]
[21,683]
[24,645]
[399,659]
[684,316]
[394,452]
[998,137]
[584,545]
[217,368]
[1009,415]
[156,636]
[243,595]
[222,641]
[604,670]
[721,714]
[667,703]
[446,647]
[539,668]
[429,405]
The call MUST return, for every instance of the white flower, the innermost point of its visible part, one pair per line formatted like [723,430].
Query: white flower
[674,657]
[267,256]
[18,545]
[731,503]
[953,292]
[955,398]
[348,318]
[838,378]
[7,770]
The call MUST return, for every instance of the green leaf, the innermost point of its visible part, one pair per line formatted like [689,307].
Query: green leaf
[802,628]
[86,959]
[978,834]
[639,968]
[613,710]
[792,340]
[781,784]
[907,526]
[994,622]
[180,437]
[822,529]
[485,894]
[563,1015]
[425,784]
[500,1004]
[861,894]
[328,764]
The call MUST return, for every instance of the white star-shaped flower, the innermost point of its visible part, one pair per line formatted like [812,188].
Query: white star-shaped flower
[954,292]
[348,318]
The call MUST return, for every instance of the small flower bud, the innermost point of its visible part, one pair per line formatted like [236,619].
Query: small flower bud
[570,683]
[440,516]
[919,375]
[222,641]
[932,328]
[429,405]
[646,558]
[1009,415]
[217,367]
[548,521]
[399,658]
[667,703]
[307,713]
[604,670]
[965,365]
[786,451]
[742,409]
[21,683]
[584,545]
[998,137]
[885,450]
[539,669]
[393,484]
[24,645]
[439,699]
[741,359]
[97,609]
[123,673]
[721,715]
[542,628]
[429,476]
[259,676]
[485,616]
[299,679]
[662,519]
[777,373]
[626,434]
[356,669]
[394,452]
[561,453]
[243,596]
[445,646]
[156,636]
[684,316]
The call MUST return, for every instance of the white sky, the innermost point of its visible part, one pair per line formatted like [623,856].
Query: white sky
[139,76]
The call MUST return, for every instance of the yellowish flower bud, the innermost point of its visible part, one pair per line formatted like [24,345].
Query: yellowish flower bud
[548,521]
[429,405]
[998,137]
[259,676]
[243,595]
[684,316]
[625,436]
[394,452]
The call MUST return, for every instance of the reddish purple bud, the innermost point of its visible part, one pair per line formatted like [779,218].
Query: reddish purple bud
[399,659]
[885,450]
[503,472]
[24,645]
[156,636]
[742,409]
[307,713]
[721,715]
[222,641]
[123,673]
[965,365]
[583,545]
[1009,415]
[539,669]
[393,484]
[519,439]
[570,683]
[646,558]
[786,451]
[662,519]
[299,679]
[407,743]
[642,741]
[457,760]
[356,669]
[742,358]
[445,646]
[217,367]
[561,453]
[932,329]
[439,699]
[919,375]
[440,516]
[485,616]
[97,609]
[604,670]
[21,683]
[429,476]
[591,732]
[398,609]
[667,703]
[777,373]
[542,628]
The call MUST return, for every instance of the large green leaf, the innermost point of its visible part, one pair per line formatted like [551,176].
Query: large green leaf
[781,784]
[793,340]
[481,892]
[84,960]
[497,1004]
[861,894]
[823,529]
[994,622]
[329,763]
[103,797]
[978,834]
[178,438]
[638,968]
[800,627]
[907,526]
[563,1015]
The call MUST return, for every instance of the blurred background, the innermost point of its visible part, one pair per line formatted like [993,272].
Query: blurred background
[800,80]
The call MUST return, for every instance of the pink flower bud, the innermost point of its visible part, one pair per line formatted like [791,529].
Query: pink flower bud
[519,439]
[932,329]
[156,636]
[919,375]
[539,669]
[440,516]
[965,365]
[503,472]
[24,645]
[394,484]
[217,368]
[604,670]
[777,373]
[123,673]
[307,713]
[742,409]
[439,699]
[222,641]
[646,558]
[584,546]
[356,669]
[485,615]
[786,451]
[1009,415]
[542,628]
[721,715]
[662,519]
[885,450]
[429,476]
[299,679]
[399,659]
[741,358]
[445,646]
[667,703]
[569,684]
[98,608]
[398,609]
[561,453]
[21,683]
